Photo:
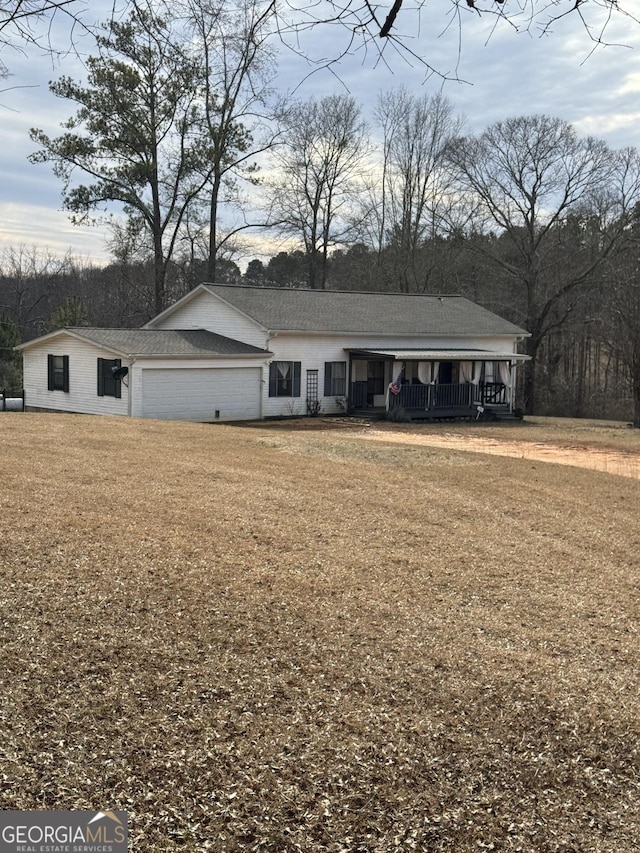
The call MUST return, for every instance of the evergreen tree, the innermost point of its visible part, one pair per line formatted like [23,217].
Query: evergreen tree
[136,135]
[10,360]
[72,313]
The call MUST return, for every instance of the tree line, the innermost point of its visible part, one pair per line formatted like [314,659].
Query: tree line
[179,131]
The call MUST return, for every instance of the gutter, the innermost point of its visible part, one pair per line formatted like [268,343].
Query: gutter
[132,361]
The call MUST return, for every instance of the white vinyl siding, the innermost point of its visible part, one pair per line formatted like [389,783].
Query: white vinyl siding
[314,350]
[206,311]
[83,393]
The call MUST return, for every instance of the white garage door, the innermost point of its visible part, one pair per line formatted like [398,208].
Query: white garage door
[206,394]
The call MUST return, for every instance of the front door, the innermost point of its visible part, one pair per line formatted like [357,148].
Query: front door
[375,380]
[445,373]
[442,390]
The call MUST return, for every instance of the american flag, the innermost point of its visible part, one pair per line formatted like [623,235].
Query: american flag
[395,385]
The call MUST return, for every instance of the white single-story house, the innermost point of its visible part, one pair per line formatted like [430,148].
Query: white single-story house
[234,352]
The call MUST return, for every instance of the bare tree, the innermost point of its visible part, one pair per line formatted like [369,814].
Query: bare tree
[620,293]
[10,360]
[320,164]
[30,279]
[538,183]
[231,41]
[21,24]
[624,331]
[31,22]
[414,199]
[19,18]
[398,26]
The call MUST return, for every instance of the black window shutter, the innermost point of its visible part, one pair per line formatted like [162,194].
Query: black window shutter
[50,372]
[273,379]
[327,379]
[297,365]
[100,377]
[117,362]
[65,373]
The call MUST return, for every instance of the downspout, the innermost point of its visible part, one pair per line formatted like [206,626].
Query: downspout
[264,384]
[129,389]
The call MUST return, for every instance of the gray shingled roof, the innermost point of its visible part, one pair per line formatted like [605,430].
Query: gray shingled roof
[157,342]
[283,309]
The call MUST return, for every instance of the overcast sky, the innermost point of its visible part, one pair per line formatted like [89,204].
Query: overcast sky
[500,74]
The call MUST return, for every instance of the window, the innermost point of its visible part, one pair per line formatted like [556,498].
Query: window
[58,372]
[335,378]
[107,385]
[284,379]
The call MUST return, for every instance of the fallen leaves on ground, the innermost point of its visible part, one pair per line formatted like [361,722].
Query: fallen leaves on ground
[276,639]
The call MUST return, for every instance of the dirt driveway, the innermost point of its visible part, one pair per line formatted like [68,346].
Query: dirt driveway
[622,463]
[609,446]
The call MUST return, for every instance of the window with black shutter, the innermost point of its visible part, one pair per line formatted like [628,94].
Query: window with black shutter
[58,373]
[108,386]
[284,378]
[335,378]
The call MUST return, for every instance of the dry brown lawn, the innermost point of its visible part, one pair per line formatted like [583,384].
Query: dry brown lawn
[277,638]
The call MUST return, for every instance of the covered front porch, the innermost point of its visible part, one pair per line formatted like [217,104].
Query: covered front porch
[431,384]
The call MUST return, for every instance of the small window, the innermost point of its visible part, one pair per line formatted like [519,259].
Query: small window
[107,385]
[335,378]
[58,372]
[284,379]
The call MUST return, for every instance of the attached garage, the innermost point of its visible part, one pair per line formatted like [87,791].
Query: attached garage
[202,394]
[172,374]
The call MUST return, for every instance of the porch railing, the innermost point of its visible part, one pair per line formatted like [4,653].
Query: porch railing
[438,396]
[358,395]
[493,394]
[432,397]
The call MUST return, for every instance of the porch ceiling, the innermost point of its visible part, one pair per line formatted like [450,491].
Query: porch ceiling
[439,354]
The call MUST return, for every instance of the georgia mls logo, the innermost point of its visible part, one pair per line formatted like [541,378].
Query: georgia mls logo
[63,832]
[119,831]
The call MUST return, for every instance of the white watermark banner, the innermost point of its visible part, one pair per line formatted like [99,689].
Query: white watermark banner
[63,832]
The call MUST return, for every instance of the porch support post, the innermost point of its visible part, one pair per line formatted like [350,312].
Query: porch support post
[512,389]
[349,383]
[387,393]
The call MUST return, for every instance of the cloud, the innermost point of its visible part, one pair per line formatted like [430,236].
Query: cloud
[630,84]
[610,126]
[501,73]
[27,224]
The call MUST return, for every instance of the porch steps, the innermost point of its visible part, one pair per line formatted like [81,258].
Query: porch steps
[506,416]
[368,414]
